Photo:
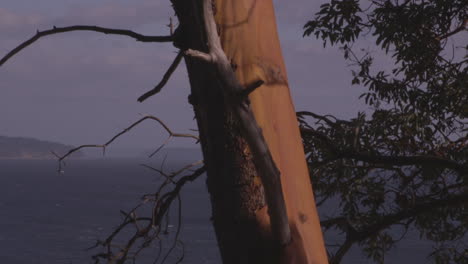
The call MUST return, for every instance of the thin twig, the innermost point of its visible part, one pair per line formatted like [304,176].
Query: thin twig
[103,146]
[460,28]
[165,78]
[152,228]
[172,175]
[161,146]
[179,225]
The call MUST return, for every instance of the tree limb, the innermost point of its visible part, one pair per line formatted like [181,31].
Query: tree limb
[206,57]
[455,31]
[322,137]
[103,146]
[109,31]
[250,88]
[417,209]
[390,160]
[405,160]
[325,118]
[170,176]
[165,78]
[152,228]
[387,220]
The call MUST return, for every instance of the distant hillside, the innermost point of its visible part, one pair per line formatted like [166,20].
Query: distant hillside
[30,148]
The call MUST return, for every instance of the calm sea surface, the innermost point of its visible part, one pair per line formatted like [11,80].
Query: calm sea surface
[47,218]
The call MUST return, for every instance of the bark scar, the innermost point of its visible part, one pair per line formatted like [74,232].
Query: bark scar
[302,217]
[273,74]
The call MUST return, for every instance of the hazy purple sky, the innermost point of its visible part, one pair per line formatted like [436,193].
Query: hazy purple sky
[82,87]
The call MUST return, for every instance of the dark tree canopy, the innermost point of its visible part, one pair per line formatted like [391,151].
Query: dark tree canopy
[403,164]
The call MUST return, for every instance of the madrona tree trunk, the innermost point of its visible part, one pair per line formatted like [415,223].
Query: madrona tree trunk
[249,38]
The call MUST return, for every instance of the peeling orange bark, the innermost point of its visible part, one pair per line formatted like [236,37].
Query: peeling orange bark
[250,40]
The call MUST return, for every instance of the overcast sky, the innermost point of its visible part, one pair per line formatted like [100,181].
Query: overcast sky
[82,87]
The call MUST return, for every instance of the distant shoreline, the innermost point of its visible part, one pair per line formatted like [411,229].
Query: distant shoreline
[33,149]
[42,158]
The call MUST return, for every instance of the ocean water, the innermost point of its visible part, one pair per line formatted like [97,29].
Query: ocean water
[50,218]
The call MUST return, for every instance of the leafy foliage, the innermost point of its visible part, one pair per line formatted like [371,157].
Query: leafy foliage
[402,166]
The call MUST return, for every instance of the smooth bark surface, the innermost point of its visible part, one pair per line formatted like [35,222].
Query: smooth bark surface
[248,32]
[240,216]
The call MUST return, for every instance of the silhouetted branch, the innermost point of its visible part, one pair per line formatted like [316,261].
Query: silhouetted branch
[153,226]
[165,78]
[110,31]
[455,31]
[405,160]
[322,137]
[382,159]
[179,225]
[338,256]
[353,235]
[325,118]
[148,117]
[417,209]
[175,173]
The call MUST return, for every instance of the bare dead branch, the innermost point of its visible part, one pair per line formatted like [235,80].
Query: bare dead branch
[165,78]
[172,175]
[152,226]
[107,31]
[160,147]
[171,26]
[179,224]
[103,146]
[252,87]
[243,95]
[199,55]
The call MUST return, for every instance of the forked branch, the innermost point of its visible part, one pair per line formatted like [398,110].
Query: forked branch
[354,236]
[375,158]
[147,229]
[103,146]
[170,177]
[107,31]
